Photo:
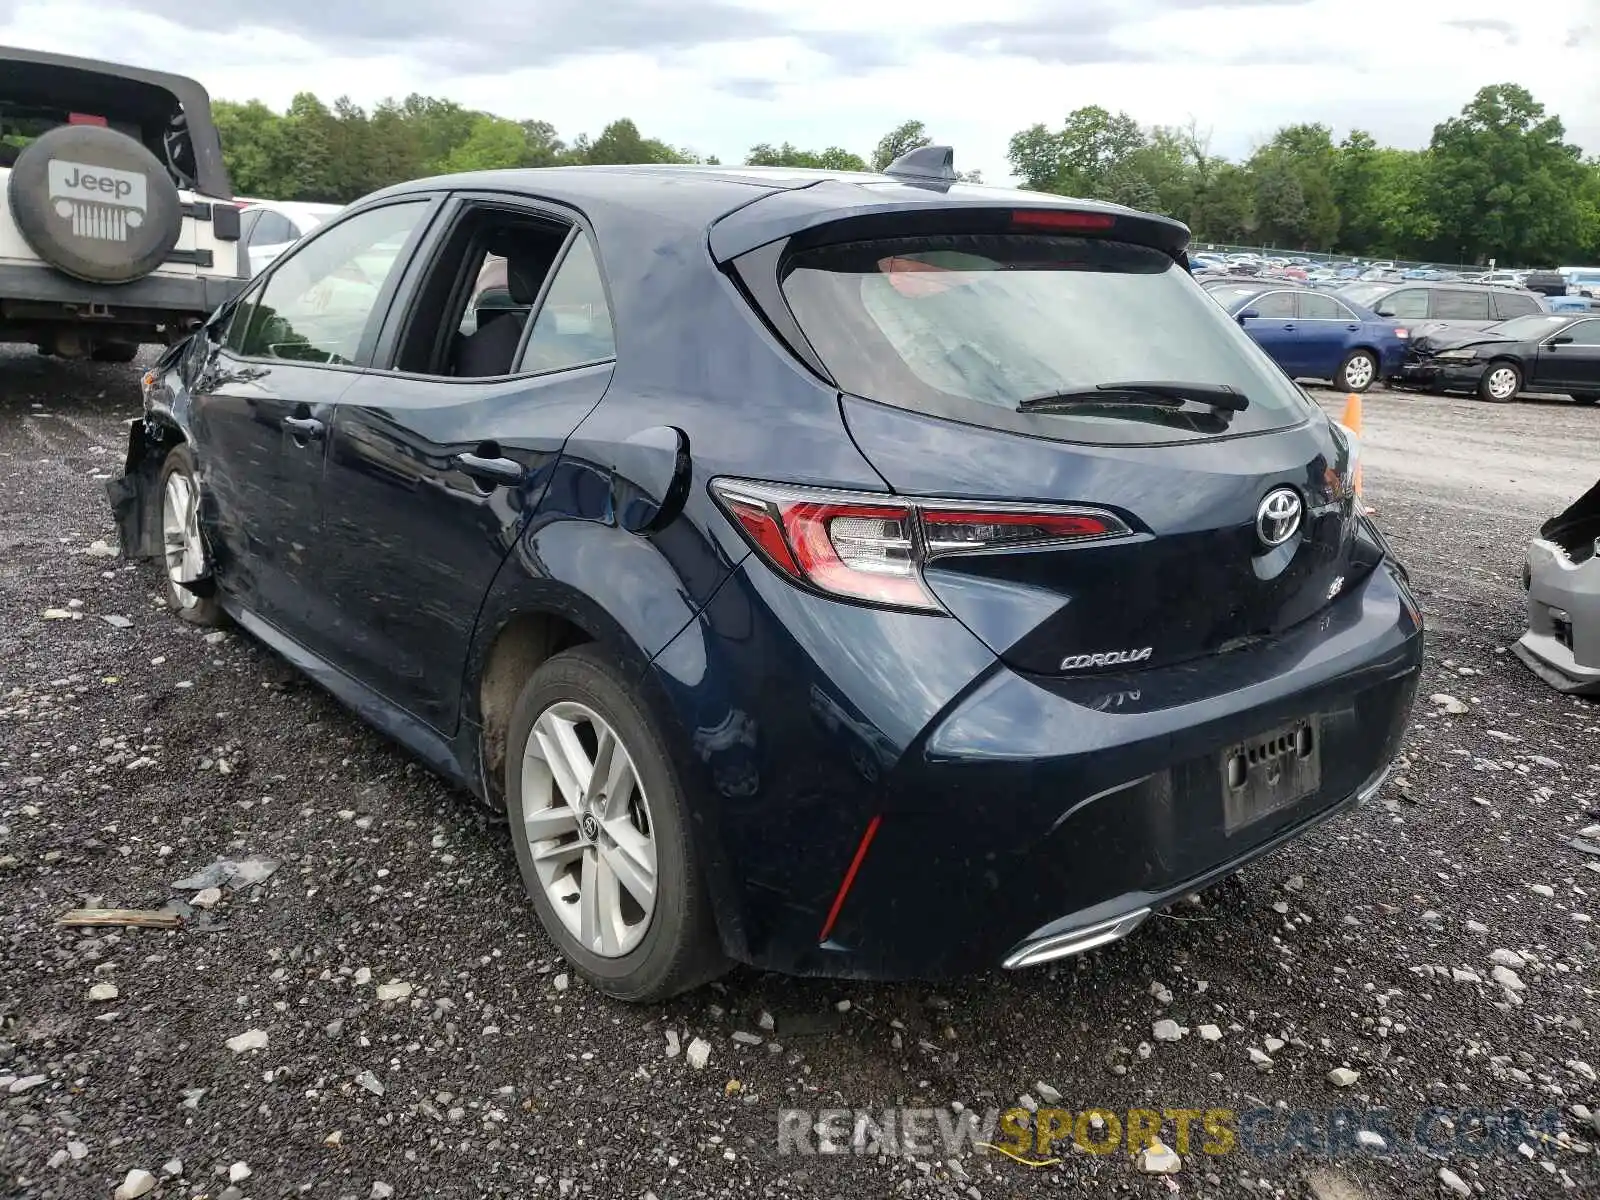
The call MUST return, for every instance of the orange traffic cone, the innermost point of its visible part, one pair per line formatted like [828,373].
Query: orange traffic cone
[1352,421]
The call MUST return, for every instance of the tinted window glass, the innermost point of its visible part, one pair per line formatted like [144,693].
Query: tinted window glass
[1365,294]
[272,229]
[1273,306]
[1586,333]
[317,302]
[1323,308]
[968,326]
[1449,305]
[1531,329]
[1510,304]
[574,322]
[1407,305]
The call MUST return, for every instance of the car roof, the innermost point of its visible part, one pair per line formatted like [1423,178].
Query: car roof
[707,196]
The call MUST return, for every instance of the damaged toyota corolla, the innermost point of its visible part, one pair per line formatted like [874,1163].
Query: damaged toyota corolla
[829,572]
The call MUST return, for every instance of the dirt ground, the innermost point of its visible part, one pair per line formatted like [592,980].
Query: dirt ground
[422,1039]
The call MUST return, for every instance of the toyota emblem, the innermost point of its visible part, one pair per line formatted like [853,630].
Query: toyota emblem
[1278,518]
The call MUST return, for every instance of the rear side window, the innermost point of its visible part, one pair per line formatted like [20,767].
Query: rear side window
[968,326]
[1511,304]
[1409,305]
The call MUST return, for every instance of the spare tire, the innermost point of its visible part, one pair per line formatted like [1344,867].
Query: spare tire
[95,204]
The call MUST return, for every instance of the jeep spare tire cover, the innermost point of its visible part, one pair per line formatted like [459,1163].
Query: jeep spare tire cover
[95,204]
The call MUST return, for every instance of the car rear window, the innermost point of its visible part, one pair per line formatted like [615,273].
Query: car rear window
[968,326]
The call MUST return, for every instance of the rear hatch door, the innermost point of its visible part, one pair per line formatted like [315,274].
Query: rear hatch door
[1060,366]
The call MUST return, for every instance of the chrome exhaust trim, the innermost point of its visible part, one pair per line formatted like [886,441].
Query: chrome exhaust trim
[1064,945]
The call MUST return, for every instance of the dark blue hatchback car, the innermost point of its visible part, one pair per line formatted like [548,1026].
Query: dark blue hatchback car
[859,575]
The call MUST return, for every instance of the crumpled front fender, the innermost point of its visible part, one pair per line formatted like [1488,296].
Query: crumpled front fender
[135,505]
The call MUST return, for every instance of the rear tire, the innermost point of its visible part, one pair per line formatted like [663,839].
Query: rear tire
[1357,372]
[184,554]
[575,847]
[1500,382]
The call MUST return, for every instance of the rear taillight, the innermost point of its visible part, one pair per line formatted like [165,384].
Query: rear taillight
[867,547]
[1061,220]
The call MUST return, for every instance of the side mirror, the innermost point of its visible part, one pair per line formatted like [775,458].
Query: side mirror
[1384,312]
[1248,314]
[1564,340]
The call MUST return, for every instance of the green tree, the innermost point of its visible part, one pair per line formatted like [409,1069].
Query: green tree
[787,155]
[493,143]
[1306,214]
[1505,183]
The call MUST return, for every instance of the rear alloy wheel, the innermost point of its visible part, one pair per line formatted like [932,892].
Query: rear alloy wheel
[1357,372]
[183,548]
[1500,383]
[601,832]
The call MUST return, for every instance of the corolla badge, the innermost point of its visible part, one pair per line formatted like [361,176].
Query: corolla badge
[1111,658]
[1278,517]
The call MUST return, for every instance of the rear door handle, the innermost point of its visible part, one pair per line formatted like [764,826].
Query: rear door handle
[506,471]
[1289,328]
[306,427]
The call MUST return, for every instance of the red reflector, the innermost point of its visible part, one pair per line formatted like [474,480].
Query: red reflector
[1060,218]
[849,877]
[84,119]
[764,531]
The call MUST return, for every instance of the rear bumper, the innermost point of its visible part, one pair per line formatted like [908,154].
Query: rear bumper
[1012,812]
[1562,644]
[142,300]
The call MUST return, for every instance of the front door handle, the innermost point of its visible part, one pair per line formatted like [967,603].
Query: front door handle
[304,427]
[505,471]
[1289,328]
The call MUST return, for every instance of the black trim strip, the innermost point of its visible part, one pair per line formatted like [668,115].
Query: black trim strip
[198,258]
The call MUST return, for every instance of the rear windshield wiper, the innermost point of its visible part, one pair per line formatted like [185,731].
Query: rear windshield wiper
[1153,393]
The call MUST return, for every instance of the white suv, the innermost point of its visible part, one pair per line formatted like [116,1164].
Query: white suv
[119,227]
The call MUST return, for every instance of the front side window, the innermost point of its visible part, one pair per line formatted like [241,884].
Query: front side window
[1451,305]
[1273,306]
[317,302]
[969,326]
[272,229]
[1585,333]
[1409,305]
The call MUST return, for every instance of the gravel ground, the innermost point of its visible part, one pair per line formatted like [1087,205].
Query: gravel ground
[418,1037]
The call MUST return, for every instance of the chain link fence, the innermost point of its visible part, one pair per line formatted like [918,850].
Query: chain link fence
[1331,260]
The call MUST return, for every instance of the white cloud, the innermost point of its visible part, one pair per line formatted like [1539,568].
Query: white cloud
[721,77]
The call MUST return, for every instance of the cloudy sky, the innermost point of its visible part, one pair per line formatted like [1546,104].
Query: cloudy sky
[721,75]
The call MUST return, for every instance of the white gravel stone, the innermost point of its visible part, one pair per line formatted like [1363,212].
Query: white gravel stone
[1273,1045]
[1453,1183]
[1462,975]
[1167,1030]
[1047,1093]
[673,1045]
[1209,1033]
[250,1039]
[239,1172]
[1260,1057]
[363,976]
[173,1167]
[1343,1077]
[1368,1140]
[380,1190]
[561,983]
[26,1084]
[138,1182]
[1157,1159]
[746,1039]
[1449,704]
[766,1021]
[1508,958]
[370,1082]
[102,992]
[1507,978]
[1477,927]
[698,1054]
[1543,889]
[207,898]
[395,989]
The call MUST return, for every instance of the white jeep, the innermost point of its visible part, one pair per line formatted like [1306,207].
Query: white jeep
[119,227]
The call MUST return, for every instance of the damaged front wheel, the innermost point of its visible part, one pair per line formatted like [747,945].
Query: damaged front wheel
[183,549]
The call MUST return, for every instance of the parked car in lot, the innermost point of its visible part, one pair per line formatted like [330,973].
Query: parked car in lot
[1430,307]
[1562,576]
[1553,352]
[269,227]
[1316,335]
[118,227]
[823,572]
